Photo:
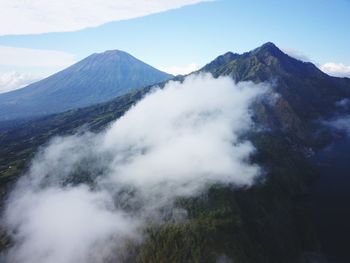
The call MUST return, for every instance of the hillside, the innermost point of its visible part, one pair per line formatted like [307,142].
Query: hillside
[305,92]
[97,78]
[269,222]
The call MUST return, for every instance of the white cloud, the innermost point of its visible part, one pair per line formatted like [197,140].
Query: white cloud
[343,103]
[175,142]
[180,70]
[331,68]
[296,54]
[341,123]
[26,57]
[41,16]
[14,80]
[60,220]
[336,69]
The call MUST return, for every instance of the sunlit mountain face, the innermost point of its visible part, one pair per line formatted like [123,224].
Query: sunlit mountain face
[97,78]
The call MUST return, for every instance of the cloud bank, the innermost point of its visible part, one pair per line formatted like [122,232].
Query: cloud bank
[336,69]
[42,16]
[84,196]
[48,61]
[330,68]
[14,80]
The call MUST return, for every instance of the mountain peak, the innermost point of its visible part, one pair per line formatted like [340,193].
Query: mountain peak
[112,52]
[221,61]
[111,55]
[269,45]
[97,78]
[269,48]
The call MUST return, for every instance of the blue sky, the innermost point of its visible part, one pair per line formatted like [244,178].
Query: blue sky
[197,33]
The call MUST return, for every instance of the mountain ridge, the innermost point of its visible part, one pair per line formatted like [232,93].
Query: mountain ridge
[244,225]
[300,83]
[283,116]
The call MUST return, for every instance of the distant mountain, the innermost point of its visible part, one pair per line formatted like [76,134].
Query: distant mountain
[305,94]
[269,222]
[97,78]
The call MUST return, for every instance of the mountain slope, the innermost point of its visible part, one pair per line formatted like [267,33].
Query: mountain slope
[309,91]
[304,92]
[97,78]
[286,116]
[268,222]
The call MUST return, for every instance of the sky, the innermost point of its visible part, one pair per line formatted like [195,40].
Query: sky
[41,37]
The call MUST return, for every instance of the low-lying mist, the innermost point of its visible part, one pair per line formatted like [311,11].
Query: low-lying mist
[340,123]
[85,195]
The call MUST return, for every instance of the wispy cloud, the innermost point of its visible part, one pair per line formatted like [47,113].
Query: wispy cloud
[331,68]
[85,195]
[296,54]
[41,16]
[180,70]
[14,80]
[336,69]
[341,123]
[343,103]
[26,57]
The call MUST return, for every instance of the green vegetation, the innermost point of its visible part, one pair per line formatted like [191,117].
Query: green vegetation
[21,142]
[267,222]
